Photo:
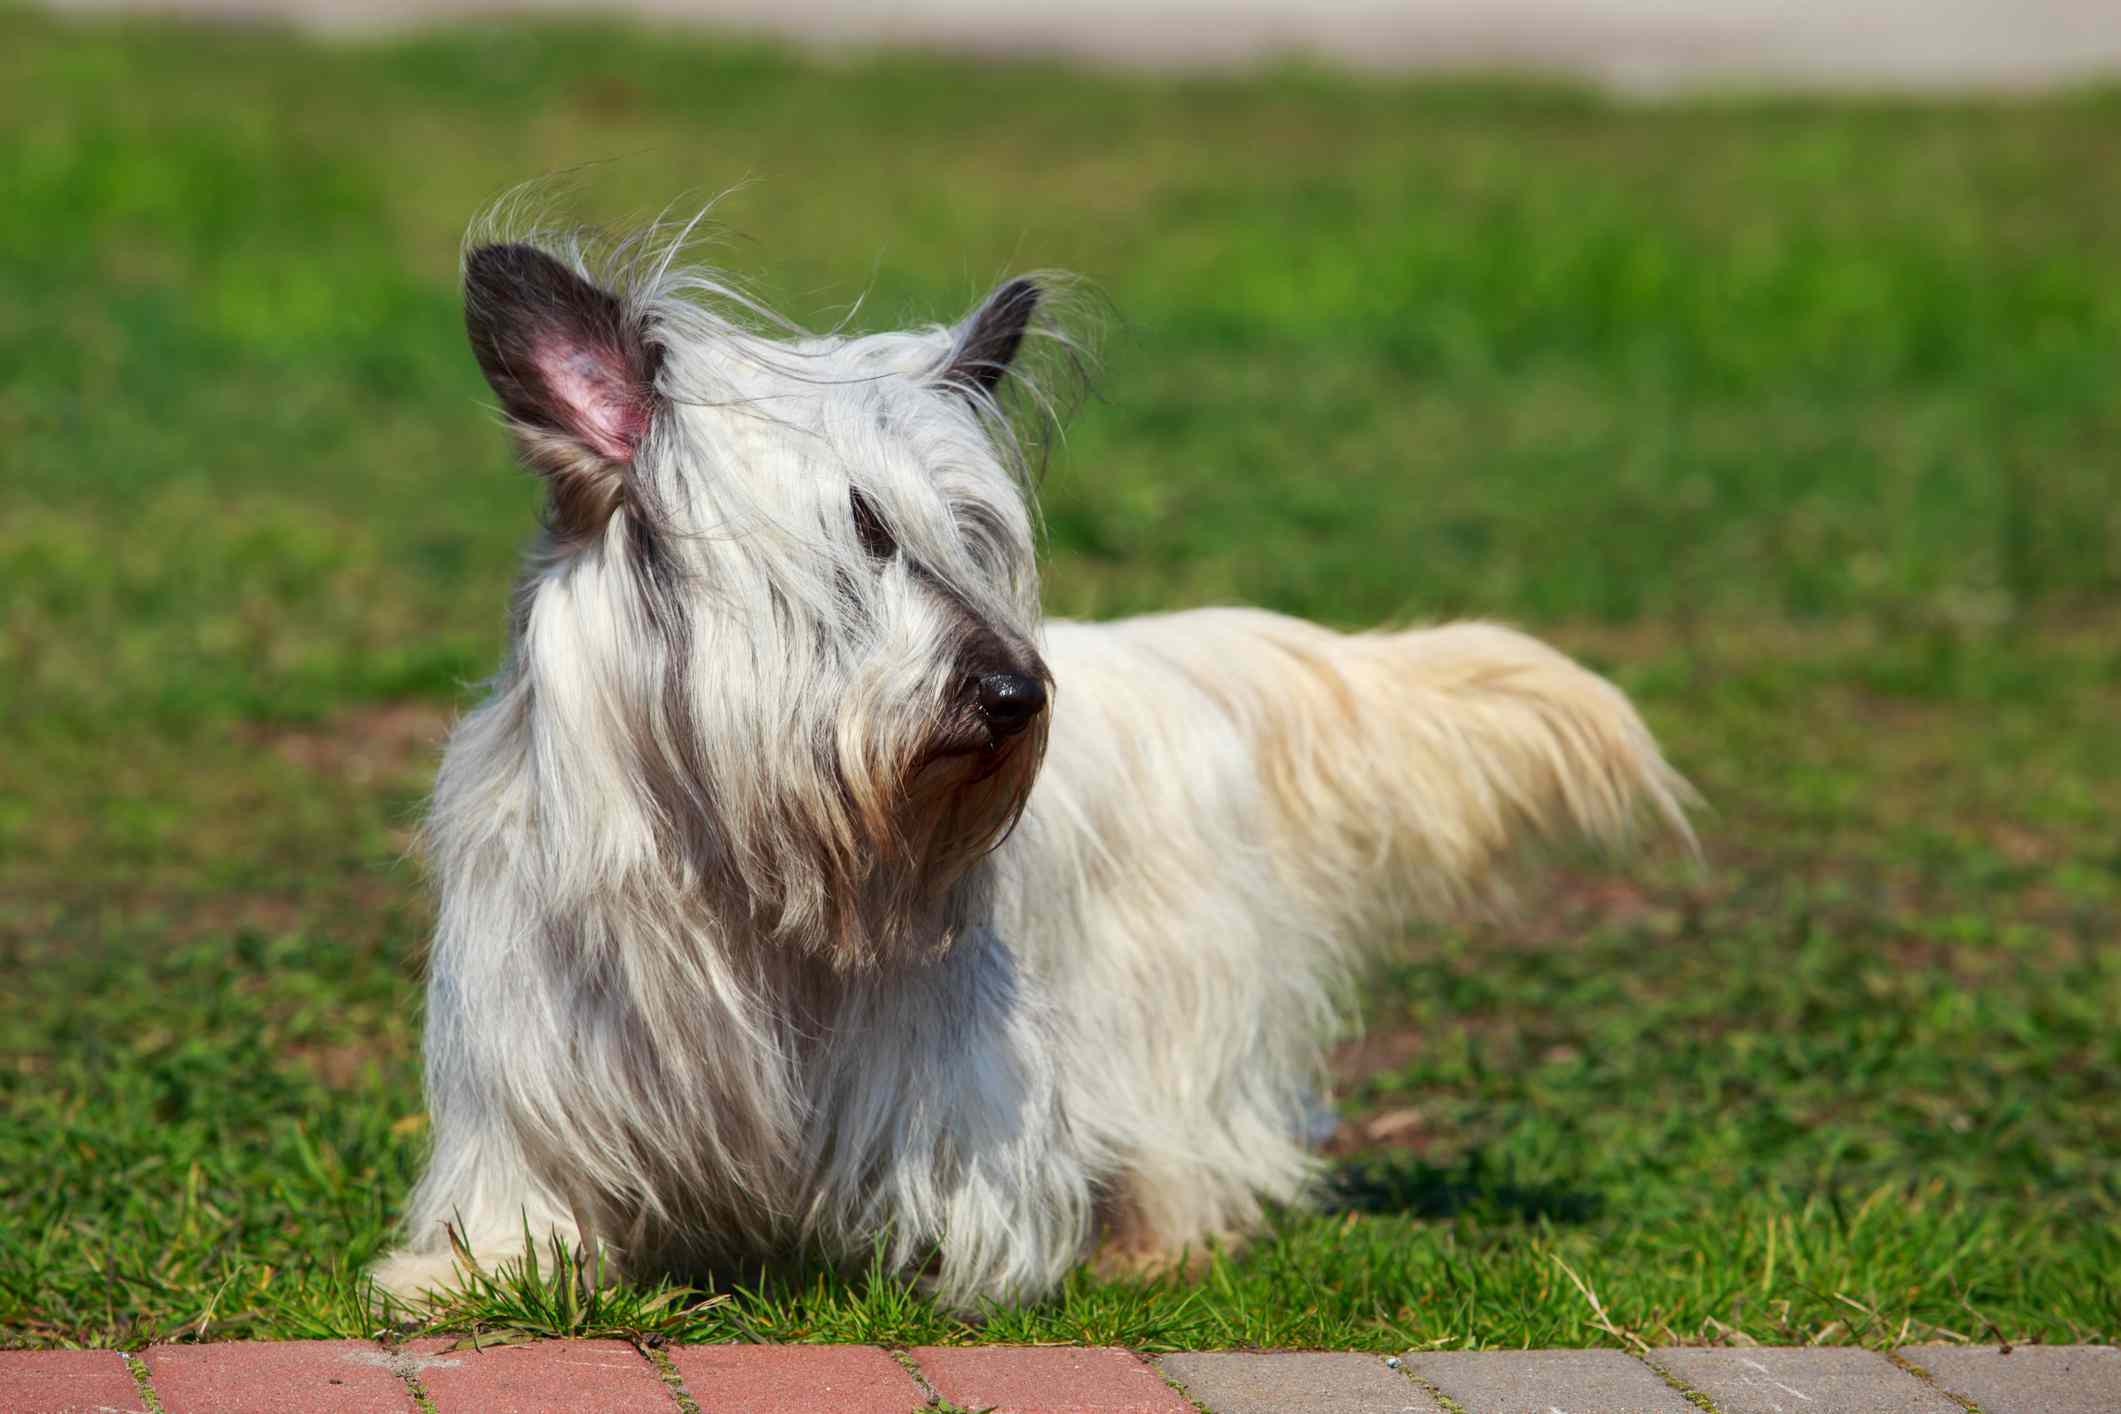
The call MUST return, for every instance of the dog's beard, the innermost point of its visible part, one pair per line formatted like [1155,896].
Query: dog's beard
[864,865]
[921,822]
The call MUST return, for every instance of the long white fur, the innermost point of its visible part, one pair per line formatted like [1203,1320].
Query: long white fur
[651,1027]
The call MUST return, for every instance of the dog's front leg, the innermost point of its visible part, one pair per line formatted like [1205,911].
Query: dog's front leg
[476,1208]
[481,1198]
[948,1139]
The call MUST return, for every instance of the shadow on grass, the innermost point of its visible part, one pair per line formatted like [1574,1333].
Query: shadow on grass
[1471,1188]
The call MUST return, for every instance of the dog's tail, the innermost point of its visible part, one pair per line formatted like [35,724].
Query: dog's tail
[1411,771]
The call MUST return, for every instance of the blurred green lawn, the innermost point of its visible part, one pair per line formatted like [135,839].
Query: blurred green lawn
[1799,417]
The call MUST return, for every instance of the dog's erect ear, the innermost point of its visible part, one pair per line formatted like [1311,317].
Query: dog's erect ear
[574,371]
[987,341]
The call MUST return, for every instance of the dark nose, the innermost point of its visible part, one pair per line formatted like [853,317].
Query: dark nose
[1010,701]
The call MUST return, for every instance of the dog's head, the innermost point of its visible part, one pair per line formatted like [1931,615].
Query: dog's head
[779,640]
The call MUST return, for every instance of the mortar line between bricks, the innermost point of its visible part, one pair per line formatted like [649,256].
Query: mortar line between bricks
[1176,1387]
[1450,1404]
[142,1381]
[1686,1391]
[673,1378]
[1398,1366]
[930,1395]
[408,1372]
[1932,1381]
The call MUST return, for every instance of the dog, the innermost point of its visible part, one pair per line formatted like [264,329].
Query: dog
[805,897]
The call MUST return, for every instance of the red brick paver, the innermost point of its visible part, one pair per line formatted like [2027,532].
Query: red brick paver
[67,1382]
[550,1377]
[1048,1380]
[277,1377]
[795,1379]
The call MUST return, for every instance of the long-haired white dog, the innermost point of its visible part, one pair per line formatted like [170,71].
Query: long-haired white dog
[803,895]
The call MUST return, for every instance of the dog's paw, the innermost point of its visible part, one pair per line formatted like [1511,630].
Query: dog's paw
[1137,1261]
[409,1280]
[1131,1246]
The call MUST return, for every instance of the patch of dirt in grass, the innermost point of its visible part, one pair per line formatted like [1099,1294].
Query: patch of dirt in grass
[2021,845]
[1381,1050]
[1577,905]
[346,1067]
[357,906]
[1403,1127]
[367,743]
[1375,1052]
[263,914]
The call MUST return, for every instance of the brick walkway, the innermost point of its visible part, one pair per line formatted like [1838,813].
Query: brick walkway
[612,1377]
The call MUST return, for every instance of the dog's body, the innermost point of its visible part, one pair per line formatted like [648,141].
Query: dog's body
[739,957]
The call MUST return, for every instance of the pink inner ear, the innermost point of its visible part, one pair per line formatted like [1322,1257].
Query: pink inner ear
[590,387]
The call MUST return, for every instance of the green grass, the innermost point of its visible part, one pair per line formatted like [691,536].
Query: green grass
[1796,416]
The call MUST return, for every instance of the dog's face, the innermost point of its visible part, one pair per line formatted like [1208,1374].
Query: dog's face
[787,595]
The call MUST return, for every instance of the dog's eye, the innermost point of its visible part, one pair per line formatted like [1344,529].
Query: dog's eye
[876,538]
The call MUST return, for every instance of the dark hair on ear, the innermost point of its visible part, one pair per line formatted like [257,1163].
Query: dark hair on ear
[575,371]
[988,340]
[1035,335]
